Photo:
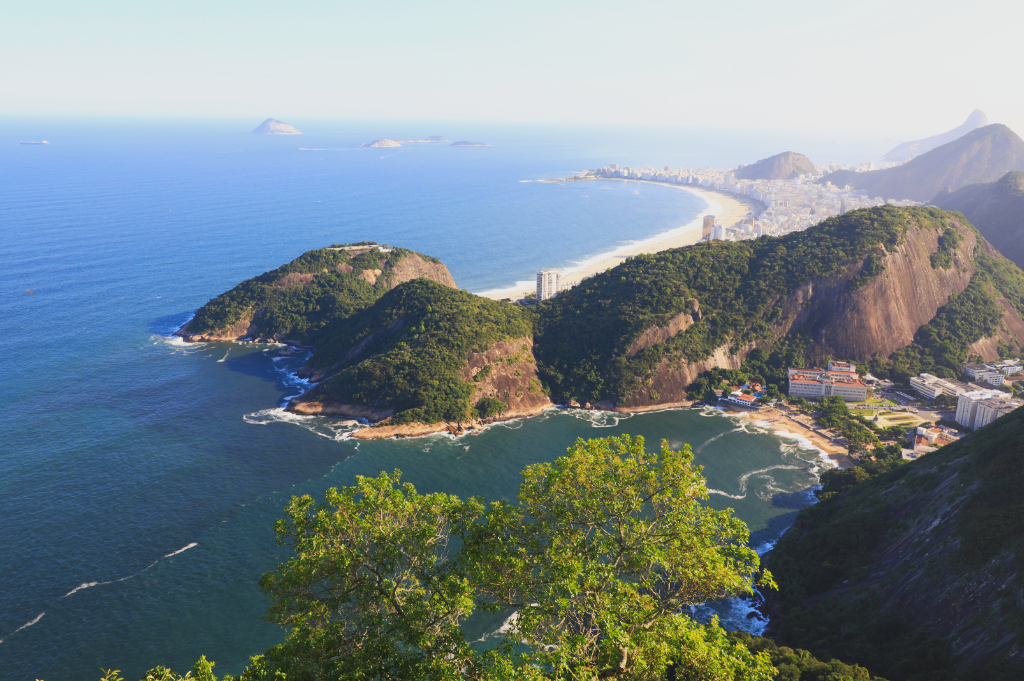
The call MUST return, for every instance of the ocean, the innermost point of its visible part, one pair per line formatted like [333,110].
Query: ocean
[140,477]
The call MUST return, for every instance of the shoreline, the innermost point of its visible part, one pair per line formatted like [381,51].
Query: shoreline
[780,422]
[727,209]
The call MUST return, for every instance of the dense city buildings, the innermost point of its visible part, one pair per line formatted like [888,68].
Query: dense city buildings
[839,378]
[993,373]
[788,205]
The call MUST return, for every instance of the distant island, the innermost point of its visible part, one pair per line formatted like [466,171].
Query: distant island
[272,126]
[381,143]
[398,143]
[464,143]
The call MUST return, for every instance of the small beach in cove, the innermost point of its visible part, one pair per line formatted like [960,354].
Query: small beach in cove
[727,210]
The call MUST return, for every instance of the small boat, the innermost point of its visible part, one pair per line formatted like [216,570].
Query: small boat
[43,142]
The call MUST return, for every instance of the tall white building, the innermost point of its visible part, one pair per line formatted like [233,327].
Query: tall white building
[967,405]
[547,284]
[931,387]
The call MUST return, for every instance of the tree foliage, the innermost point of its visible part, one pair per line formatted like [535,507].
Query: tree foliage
[605,548]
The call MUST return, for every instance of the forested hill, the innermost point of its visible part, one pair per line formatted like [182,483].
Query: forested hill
[917,574]
[299,301]
[996,209]
[982,155]
[782,166]
[915,284]
[904,290]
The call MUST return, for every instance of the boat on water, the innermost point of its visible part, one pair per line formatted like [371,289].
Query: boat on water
[43,142]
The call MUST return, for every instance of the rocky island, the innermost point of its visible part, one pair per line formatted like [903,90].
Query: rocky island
[464,143]
[904,290]
[381,143]
[274,127]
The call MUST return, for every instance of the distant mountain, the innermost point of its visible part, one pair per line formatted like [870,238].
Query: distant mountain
[381,143]
[782,166]
[275,127]
[983,155]
[464,143]
[996,209]
[909,150]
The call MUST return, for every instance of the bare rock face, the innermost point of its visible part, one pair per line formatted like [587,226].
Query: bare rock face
[412,266]
[509,373]
[883,315]
[243,328]
[274,127]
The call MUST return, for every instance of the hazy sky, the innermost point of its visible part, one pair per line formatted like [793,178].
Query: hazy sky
[896,68]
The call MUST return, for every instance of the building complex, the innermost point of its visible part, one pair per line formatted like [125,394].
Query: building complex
[977,408]
[839,378]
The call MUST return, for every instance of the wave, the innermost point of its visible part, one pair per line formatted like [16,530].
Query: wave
[88,585]
[743,479]
[332,429]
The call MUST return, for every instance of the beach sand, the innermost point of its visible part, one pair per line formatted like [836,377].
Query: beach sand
[727,210]
[780,421]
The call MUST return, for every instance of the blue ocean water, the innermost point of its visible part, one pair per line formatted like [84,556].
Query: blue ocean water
[139,477]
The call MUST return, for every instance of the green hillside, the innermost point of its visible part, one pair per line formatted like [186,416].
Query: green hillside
[996,209]
[732,290]
[299,300]
[917,573]
[982,155]
[406,352]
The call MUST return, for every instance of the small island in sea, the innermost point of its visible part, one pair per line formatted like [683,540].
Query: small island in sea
[464,143]
[272,126]
[381,143]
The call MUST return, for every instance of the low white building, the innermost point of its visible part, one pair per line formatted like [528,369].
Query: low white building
[839,379]
[930,387]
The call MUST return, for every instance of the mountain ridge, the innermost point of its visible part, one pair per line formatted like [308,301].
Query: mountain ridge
[996,209]
[982,155]
[908,150]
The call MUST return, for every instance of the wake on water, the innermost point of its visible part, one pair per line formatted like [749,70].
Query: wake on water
[88,585]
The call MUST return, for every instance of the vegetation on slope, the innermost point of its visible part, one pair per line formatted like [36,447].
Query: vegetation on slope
[584,334]
[957,517]
[415,341]
[784,166]
[996,209]
[300,311]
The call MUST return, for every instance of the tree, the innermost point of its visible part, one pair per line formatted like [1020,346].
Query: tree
[598,561]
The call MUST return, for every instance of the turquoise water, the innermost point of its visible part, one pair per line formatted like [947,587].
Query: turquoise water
[139,477]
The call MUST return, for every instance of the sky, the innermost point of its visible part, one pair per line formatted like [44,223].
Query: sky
[899,69]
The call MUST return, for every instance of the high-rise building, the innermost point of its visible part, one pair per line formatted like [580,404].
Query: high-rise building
[667,169]
[709,226]
[547,284]
[613,166]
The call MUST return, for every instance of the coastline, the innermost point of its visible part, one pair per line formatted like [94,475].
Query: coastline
[727,209]
[782,425]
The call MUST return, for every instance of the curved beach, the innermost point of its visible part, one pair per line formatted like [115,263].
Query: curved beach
[727,210]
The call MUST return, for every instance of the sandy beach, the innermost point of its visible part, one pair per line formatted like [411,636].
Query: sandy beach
[727,210]
[780,421]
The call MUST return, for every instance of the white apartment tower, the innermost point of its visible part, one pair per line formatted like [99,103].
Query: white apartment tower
[547,284]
